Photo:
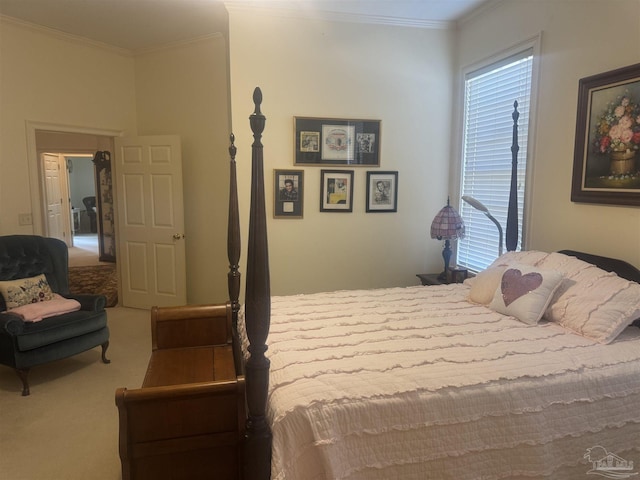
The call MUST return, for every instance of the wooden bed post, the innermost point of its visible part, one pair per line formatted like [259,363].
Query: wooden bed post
[233,253]
[512,213]
[233,234]
[257,440]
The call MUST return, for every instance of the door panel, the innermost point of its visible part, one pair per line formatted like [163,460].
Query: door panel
[55,184]
[151,225]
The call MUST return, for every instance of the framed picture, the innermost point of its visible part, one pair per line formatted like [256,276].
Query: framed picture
[606,164]
[288,193]
[382,191]
[336,190]
[334,141]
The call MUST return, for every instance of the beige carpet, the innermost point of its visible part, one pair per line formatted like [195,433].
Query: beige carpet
[84,251]
[67,429]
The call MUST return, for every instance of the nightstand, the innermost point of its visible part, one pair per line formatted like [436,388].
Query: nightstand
[458,274]
[430,279]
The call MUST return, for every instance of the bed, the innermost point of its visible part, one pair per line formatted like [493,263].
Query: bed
[528,370]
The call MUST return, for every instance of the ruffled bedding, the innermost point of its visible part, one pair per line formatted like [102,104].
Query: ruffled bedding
[419,383]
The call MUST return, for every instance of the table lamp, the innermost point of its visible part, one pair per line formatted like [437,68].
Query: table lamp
[447,225]
[479,206]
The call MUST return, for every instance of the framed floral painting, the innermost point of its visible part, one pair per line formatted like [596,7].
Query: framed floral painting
[606,164]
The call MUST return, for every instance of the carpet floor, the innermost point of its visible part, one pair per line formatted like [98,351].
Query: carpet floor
[95,279]
[67,429]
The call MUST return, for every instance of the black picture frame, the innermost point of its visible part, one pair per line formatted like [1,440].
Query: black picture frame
[336,190]
[336,141]
[608,102]
[288,201]
[382,192]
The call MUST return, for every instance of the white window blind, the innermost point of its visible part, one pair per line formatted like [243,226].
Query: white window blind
[486,173]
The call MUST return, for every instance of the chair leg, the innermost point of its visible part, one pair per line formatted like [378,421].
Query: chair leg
[105,345]
[23,373]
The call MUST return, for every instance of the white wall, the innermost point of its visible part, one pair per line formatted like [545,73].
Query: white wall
[579,39]
[401,76]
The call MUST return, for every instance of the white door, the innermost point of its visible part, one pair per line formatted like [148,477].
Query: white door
[148,173]
[56,197]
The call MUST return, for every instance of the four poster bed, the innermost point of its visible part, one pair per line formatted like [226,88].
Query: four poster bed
[529,370]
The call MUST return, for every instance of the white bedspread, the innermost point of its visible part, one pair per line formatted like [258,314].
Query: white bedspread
[418,383]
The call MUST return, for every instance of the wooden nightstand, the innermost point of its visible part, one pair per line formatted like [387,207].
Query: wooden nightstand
[430,279]
[458,274]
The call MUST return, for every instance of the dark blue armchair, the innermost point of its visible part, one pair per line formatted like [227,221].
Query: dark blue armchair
[23,344]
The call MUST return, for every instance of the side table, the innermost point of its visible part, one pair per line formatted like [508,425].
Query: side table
[430,279]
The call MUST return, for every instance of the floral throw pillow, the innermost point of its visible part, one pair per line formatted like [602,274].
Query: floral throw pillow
[25,290]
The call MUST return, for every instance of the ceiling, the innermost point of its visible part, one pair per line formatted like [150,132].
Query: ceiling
[137,25]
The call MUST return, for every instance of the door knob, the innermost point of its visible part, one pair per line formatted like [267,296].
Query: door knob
[178,236]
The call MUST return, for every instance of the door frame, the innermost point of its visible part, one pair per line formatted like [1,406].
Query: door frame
[36,179]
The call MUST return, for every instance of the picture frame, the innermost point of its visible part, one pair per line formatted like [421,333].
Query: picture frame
[382,192]
[336,190]
[288,193]
[336,141]
[606,164]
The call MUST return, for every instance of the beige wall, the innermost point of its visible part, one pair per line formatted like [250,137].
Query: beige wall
[579,39]
[183,90]
[402,76]
[51,79]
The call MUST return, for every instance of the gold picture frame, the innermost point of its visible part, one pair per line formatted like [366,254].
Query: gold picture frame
[336,141]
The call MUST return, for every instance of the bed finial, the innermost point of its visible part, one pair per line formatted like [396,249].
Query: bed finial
[257,100]
[232,147]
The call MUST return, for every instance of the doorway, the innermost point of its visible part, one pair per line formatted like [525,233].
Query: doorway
[82,198]
[75,151]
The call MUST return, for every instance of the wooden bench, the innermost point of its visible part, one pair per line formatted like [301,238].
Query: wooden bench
[187,420]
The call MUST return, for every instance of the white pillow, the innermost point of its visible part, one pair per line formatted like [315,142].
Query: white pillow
[25,290]
[524,292]
[485,283]
[590,301]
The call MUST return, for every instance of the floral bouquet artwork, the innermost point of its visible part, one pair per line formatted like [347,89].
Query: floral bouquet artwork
[606,159]
[617,133]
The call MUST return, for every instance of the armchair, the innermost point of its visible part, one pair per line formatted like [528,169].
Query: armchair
[26,344]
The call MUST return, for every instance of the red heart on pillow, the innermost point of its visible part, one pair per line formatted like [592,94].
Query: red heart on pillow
[514,285]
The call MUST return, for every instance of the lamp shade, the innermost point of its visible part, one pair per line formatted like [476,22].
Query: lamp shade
[447,224]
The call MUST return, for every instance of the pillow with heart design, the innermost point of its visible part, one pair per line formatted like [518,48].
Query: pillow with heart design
[524,292]
[484,284]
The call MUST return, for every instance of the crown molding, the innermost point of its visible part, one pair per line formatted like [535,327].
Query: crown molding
[329,16]
[77,39]
[177,44]
[483,8]
[68,37]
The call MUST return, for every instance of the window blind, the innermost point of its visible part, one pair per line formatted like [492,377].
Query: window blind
[486,174]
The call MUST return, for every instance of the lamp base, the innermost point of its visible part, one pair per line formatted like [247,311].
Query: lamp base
[446,255]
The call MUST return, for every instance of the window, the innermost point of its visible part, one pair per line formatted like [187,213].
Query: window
[489,95]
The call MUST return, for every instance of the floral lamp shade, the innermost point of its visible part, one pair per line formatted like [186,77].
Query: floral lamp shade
[447,225]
